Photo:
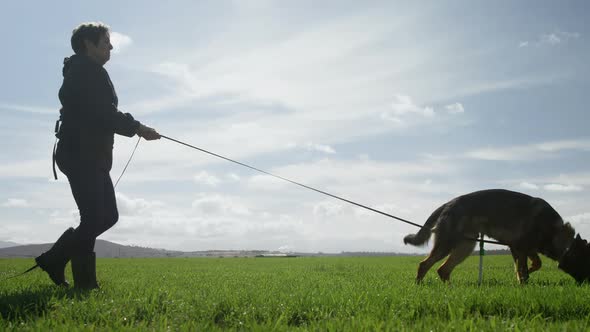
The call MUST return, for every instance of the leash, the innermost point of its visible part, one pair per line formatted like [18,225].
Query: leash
[293,182]
[20,274]
[311,188]
[128,161]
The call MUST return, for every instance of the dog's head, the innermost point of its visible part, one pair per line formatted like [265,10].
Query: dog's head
[576,260]
[559,241]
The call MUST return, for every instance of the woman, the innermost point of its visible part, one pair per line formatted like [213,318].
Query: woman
[89,119]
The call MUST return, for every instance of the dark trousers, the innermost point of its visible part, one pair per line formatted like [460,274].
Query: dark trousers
[94,194]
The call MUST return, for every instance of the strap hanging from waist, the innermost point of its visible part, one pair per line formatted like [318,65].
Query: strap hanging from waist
[57,135]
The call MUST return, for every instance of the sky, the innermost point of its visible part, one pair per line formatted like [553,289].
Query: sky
[397,105]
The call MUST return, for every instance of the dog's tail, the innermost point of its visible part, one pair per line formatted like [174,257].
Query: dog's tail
[424,233]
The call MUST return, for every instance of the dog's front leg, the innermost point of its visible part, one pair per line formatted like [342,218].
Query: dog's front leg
[520,265]
[522,270]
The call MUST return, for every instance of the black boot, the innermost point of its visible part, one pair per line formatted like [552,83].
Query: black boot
[84,271]
[54,260]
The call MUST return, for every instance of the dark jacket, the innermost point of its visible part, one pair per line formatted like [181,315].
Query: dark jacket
[89,113]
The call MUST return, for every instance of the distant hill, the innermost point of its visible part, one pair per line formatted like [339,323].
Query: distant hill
[6,244]
[110,249]
[102,248]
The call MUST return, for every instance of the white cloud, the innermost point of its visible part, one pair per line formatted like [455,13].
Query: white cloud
[219,205]
[309,146]
[404,111]
[523,44]
[581,222]
[327,209]
[562,187]
[581,178]
[358,173]
[120,41]
[233,177]
[65,217]
[583,218]
[321,148]
[529,152]
[455,108]
[389,208]
[135,206]
[528,185]
[206,178]
[280,71]
[286,248]
[16,202]
[388,116]
[266,183]
[40,168]
[557,37]
[404,105]
[581,144]
[488,86]
[30,108]
[504,154]
[551,39]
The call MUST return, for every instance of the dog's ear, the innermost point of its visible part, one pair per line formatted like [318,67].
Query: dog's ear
[578,237]
[569,230]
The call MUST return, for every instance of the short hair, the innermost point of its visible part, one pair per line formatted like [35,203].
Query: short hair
[91,31]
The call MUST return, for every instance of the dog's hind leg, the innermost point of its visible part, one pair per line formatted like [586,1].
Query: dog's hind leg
[458,255]
[438,252]
[535,262]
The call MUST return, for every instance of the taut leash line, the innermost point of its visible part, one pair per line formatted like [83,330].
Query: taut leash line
[293,182]
[307,187]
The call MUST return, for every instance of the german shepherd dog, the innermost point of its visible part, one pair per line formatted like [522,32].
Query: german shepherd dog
[527,225]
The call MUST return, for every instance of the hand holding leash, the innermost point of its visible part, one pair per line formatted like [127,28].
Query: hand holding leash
[147,133]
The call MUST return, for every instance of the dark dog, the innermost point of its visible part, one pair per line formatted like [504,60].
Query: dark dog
[527,225]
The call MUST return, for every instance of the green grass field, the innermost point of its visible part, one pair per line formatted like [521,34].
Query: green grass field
[268,294]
